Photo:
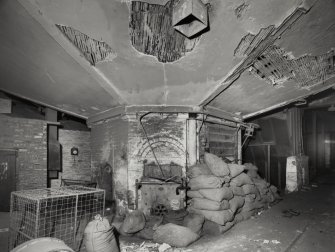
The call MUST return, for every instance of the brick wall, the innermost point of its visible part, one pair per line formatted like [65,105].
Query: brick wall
[74,167]
[167,135]
[109,161]
[119,147]
[29,136]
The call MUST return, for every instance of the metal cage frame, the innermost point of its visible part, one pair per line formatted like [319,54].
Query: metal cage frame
[61,212]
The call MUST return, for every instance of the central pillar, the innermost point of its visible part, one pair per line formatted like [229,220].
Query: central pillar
[192,140]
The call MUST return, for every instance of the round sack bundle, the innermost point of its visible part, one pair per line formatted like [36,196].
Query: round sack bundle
[242,179]
[197,170]
[205,181]
[236,203]
[207,204]
[99,236]
[217,166]
[237,190]
[194,222]
[175,235]
[235,169]
[44,244]
[134,222]
[194,194]
[217,194]
[219,217]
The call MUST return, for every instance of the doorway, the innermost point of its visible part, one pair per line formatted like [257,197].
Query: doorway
[7,177]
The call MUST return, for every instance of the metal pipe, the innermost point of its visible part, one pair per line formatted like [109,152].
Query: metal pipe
[146,135]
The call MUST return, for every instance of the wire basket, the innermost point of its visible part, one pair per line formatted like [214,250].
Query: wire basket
[61,212]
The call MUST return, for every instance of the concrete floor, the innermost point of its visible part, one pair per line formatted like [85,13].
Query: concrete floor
[312,230]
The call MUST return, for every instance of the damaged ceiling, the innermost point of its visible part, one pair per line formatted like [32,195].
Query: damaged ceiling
[85,57]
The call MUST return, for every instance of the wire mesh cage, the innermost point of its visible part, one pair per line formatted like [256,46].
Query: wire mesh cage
[61,212]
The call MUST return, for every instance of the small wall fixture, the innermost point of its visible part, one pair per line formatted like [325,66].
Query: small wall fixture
[331,108]
[74,151]
[190,17]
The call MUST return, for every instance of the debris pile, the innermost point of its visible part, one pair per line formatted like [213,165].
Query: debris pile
[220,195]
[227,193]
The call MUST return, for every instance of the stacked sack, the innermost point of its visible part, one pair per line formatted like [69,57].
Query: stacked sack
[224,194]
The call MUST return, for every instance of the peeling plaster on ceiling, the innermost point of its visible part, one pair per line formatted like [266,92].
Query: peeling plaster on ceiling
[140,78]
[275,66]
[151,32]
[36,67]
[318,32]
[208,63]
[93,50]
[250,41]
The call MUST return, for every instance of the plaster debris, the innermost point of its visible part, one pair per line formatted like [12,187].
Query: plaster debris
[94,51]
[276,66]
[163,247]
[151,32]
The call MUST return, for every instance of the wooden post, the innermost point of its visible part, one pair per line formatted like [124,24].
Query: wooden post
[315,147]
[269,163]
[239,146]
[54,155]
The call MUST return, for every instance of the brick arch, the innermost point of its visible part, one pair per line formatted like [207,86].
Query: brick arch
[159,142]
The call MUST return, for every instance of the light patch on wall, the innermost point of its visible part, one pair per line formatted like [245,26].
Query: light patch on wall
[93,50]
[152,33]
[275,66]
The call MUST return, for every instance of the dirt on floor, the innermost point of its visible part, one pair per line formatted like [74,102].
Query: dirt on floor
[303,221]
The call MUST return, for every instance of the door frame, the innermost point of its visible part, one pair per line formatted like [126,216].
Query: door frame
[15,153]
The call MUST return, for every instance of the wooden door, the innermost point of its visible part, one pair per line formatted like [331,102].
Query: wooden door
[7,178]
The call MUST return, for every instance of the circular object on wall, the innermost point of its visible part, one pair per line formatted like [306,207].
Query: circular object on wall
[74,151]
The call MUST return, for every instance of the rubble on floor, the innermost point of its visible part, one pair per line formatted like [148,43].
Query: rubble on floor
[221,195]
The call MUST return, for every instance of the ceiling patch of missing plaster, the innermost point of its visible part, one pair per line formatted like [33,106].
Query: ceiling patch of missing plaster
[275,66]
[152,33]
[250,41]
[94,51]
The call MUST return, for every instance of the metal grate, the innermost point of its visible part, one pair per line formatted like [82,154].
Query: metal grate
[54,212]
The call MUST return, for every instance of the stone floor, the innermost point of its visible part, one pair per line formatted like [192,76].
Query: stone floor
[312,230]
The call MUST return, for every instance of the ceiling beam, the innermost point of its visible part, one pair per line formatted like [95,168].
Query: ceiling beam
[219,113]
[329,83]
[137,109]
[73,51]
[44,104]
[107,114]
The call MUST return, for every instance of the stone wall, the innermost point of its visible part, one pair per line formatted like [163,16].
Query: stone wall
[29,137]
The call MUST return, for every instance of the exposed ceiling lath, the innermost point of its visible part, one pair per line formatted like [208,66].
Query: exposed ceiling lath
[152,33]
[275,66]
[250,41]
[93,50]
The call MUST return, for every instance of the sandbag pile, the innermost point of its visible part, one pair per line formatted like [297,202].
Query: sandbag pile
[226,193]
